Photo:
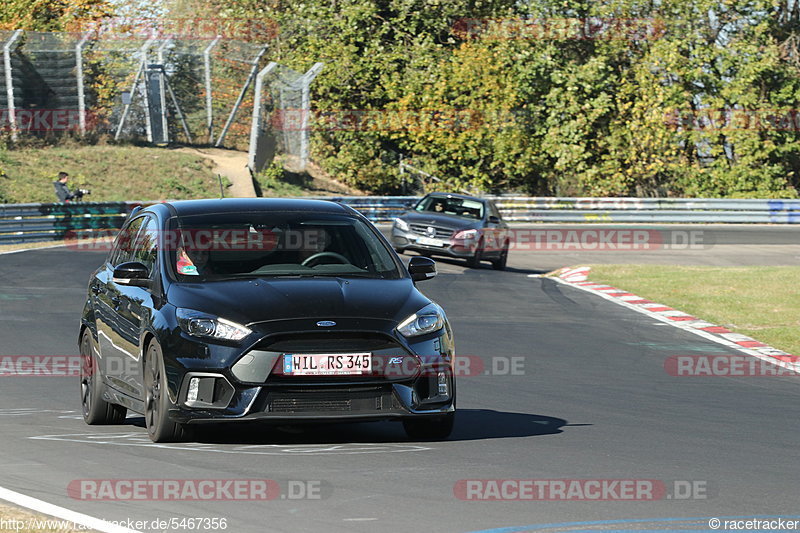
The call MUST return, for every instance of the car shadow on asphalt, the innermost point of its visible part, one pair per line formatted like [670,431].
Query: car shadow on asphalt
[480,424]
[471,424]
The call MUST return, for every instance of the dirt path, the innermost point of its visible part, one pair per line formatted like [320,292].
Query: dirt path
[233,165]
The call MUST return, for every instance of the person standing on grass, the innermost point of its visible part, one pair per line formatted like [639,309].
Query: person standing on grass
[62,191]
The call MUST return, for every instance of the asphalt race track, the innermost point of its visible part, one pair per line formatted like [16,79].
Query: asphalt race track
[589,399]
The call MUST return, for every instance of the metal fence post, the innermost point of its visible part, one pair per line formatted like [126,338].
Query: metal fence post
[12,108]
[147,124]
[307,78]
[160,56]
[232,117]
[127,108]
[79,76]
[256,123]
[209,100]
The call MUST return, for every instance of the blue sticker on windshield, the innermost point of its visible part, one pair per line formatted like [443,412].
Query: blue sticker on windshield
[189,270]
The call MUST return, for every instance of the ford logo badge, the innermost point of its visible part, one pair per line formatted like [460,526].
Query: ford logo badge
[326,323]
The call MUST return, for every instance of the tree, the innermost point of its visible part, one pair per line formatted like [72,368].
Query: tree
[50,15]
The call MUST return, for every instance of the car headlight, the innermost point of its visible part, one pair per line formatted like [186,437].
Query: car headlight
[466,234]
[401,224]
[199,324]
[427,320]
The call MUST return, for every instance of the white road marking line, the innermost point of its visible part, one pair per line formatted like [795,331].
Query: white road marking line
[32,249]
[63,513]
[139,440]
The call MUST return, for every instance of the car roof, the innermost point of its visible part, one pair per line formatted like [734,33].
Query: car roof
[238,205]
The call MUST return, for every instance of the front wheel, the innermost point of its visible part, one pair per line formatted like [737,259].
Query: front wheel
[500,262]
[438,428]
[475,260]
[156,406]
[96,411]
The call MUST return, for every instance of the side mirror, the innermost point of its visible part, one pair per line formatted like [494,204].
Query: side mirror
[493,220]
[422,268]
[133,274]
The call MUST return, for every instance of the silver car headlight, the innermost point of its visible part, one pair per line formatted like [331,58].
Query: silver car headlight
[198,324]
[466,235]
[401,224]
[427,320]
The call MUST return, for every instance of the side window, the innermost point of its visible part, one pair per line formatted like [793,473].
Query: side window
[123,246]
[146,244]
[494,211]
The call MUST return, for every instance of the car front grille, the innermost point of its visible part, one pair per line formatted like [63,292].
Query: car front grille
[422,229]
[373,399]
[327,342]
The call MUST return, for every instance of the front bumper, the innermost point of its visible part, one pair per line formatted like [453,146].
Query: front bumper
[406,381]
[408,240]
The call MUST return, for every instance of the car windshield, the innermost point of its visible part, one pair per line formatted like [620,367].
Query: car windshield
[284,244]
[446,205]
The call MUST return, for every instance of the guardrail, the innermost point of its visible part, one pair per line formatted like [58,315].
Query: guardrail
[48,222]
[20,223]
[641,210]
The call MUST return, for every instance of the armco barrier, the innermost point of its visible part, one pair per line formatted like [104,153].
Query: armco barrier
[21,223]
[48,222]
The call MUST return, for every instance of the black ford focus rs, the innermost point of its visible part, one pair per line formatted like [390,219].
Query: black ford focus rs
[260,309]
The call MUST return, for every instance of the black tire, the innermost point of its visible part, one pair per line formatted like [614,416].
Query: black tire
[438,428]
[156,405]
[500,262]
[475,260]
[96,411]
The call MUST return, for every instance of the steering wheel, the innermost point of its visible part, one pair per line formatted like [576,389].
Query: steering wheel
[319,255]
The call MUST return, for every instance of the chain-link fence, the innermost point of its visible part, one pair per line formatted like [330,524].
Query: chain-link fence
[153,89]
[281,116]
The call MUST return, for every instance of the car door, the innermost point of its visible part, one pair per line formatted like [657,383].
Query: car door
[137,303]
[503,232]
[107,304]
[494,231]
[133,311]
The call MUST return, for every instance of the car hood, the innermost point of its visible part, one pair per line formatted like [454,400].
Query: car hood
[442,221]
[324,298]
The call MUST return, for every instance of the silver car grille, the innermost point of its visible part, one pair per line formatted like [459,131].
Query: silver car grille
[422,229]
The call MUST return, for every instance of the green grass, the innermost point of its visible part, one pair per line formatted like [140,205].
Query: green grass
[113,173]
[273,182]
[761,302]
